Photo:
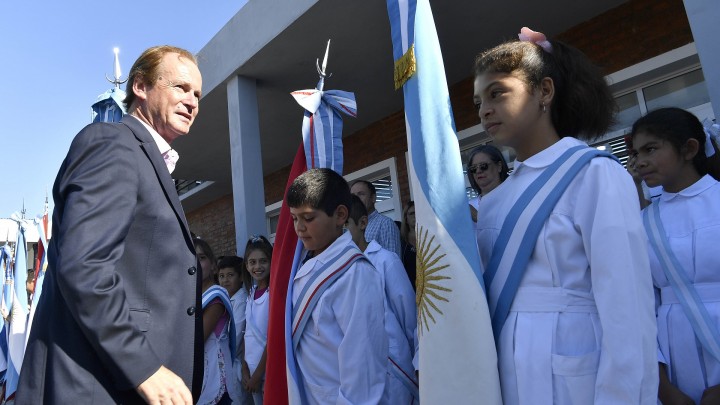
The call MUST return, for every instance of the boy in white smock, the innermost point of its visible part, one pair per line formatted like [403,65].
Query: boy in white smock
[339,340]
[400,310]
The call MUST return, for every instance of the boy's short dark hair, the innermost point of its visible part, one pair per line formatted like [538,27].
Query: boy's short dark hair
[321,189]
[233,262]
[357,209]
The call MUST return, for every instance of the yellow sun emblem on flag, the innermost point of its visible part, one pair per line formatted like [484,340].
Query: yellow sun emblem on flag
[429,273]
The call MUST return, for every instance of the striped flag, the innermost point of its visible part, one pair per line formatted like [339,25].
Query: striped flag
[6,268]
[16,324]
[458,361]
[321,148]
[322,125]
[40,266]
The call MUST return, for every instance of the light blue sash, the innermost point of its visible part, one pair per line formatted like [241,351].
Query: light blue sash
[320,281]
[521,228]
[405,378]
[704,328]
[218,292]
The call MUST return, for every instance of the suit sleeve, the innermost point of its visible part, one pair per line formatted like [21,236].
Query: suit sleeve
[98,191]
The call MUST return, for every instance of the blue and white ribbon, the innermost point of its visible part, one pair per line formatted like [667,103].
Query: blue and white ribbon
[521,228]
[703,326]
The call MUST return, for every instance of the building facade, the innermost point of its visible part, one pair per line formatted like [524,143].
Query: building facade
[646,48]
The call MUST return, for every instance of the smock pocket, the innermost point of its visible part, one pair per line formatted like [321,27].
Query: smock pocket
[323,395]
[574,378]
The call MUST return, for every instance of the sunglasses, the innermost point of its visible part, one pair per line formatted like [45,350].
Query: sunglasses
[482,167]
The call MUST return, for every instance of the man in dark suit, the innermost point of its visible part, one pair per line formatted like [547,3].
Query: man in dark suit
[118,320]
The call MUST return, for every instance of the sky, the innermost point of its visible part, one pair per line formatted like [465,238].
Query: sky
[54,56]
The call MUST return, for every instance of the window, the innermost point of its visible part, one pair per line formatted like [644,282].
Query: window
[383,175]
[685,89]
[272,217]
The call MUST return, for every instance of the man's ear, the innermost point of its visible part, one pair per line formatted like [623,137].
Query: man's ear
[140,88]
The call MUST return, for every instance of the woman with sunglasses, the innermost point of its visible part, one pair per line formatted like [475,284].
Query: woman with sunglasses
[487,168]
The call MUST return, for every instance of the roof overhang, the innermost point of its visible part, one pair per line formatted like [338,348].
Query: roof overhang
[276,42]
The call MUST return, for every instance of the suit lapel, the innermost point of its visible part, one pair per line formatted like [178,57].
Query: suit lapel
[153,153]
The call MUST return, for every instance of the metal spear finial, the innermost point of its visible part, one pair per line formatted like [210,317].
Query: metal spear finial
[116,80]
[322,71]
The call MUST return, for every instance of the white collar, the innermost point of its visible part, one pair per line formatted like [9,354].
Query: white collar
[694,189]
[547,156]
[372,247]
[162,145]
[327,254]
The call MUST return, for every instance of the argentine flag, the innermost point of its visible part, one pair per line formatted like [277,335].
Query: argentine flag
[16,325]
[458,361]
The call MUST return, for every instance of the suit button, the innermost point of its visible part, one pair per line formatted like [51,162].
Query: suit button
[192,270]
[191,311]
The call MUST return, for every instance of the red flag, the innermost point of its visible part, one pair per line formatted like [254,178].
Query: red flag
[276,392]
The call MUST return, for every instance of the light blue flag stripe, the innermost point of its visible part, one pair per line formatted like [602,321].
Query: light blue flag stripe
[322,130]
[450,264]
[703,326]
[20,268]
[402,25]
[435,152]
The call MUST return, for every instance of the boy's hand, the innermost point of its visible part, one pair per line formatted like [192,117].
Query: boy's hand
[245,376]
[254,384]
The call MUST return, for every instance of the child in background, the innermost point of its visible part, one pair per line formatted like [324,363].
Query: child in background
[400,310]
[233,277]
[683,224]
[219,383]
[561,241]
[339,339]
[258,252]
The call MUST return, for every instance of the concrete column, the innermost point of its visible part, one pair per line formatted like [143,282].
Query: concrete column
[704,16]
[246,161]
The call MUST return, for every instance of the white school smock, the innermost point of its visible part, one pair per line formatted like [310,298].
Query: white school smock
[238,301]
[256,314]
[400,320]
[691,219]
[218,366]
[342,354]
[592,249]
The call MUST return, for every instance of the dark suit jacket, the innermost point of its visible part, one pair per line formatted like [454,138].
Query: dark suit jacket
[122,290]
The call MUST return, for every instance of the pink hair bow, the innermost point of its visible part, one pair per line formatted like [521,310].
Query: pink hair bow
[537,38]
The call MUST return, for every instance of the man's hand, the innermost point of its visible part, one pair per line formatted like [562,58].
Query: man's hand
[165,387]
[711,395]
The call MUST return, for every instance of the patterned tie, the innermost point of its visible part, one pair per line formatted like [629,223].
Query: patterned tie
[171,157]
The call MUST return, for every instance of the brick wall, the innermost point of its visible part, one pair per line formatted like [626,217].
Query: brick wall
[215,223]
[628,34]
[631,33]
